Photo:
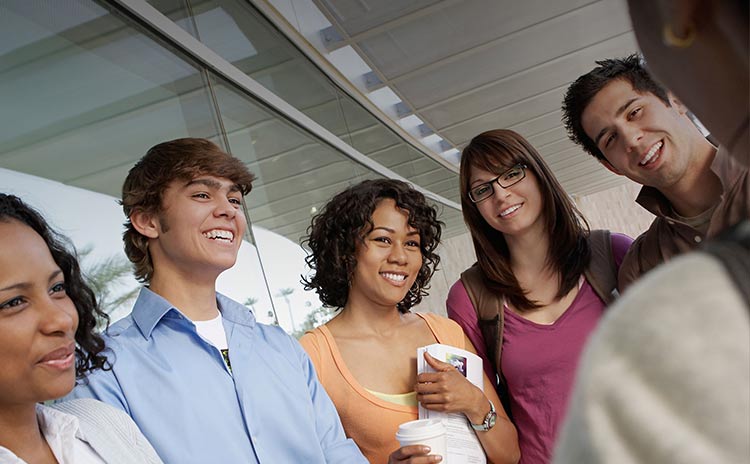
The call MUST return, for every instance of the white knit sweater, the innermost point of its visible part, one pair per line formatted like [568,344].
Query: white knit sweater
[110,432]
[666,377]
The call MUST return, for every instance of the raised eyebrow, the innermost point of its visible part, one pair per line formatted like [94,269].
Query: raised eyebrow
[619,111]
[387,229]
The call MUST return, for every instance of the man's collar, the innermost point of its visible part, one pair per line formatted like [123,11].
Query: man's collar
[657,204]
[654,201]
[150,308]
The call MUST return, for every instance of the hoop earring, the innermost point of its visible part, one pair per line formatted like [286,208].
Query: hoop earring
[671,39]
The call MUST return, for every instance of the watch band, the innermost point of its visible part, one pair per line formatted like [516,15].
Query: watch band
[488,422]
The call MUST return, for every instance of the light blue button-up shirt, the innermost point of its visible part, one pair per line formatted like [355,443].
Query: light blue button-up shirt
[270,409]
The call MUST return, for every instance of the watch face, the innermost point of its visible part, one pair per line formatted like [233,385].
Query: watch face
[491,420]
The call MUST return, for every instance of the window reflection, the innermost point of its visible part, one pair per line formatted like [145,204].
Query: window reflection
[90,91]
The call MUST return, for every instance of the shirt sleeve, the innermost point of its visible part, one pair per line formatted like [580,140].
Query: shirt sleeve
[461,310]
[336,446]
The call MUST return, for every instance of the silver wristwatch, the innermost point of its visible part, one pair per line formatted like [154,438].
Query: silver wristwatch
[489,420]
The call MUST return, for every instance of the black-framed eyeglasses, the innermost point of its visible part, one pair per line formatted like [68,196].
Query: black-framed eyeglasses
[510,177]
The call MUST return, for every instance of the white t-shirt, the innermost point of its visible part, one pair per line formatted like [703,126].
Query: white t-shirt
[213,331]
[65,439]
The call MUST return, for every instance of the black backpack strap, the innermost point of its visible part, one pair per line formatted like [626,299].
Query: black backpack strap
[732,248]
[601,272]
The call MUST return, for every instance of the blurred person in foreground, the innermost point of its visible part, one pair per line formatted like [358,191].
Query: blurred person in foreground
[666,378]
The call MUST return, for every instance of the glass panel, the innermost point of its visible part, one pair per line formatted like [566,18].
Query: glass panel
[237,32]
[375,140]
[90,94]
[297,175]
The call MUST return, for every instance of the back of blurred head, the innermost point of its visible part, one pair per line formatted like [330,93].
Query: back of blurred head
[700,49]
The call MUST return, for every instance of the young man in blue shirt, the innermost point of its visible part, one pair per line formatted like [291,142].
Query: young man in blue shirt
[202,379]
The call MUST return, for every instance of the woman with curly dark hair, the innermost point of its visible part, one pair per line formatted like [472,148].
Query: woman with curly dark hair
[48,318]
[372,256]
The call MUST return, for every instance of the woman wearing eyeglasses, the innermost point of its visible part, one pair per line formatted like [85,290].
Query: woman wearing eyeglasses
[533,282]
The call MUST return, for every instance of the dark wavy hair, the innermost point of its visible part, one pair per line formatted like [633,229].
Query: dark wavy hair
[179,159]
[631,69]
[346,219]
[89,343]
[497,151]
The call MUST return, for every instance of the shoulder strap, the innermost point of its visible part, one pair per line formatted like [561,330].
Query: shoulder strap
[732,248]
[601,272]
[489,308]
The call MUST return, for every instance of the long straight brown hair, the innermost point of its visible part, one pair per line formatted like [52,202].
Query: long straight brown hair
[496,151]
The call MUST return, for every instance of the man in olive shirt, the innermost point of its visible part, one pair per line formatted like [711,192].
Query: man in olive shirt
[619,114]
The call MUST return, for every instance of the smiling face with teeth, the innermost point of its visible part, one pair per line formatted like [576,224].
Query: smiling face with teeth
[37,320]
[513,210]
[640,136]
[198,231]
[388,261]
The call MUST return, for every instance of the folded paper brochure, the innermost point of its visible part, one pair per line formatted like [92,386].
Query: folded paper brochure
[463,445]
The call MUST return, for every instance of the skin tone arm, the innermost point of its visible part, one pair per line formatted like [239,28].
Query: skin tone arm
[448,391]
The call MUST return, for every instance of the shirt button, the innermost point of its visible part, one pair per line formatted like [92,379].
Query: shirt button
[698,239]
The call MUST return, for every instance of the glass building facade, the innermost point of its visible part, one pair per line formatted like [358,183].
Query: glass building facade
[86,87]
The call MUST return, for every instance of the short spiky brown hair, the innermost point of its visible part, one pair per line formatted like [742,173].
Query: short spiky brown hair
[180,159]
[577,98]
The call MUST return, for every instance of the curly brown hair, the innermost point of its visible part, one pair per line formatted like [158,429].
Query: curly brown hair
[89,343]
[180,159]
[346,219]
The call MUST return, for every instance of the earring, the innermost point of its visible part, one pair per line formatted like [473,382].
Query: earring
[670,39]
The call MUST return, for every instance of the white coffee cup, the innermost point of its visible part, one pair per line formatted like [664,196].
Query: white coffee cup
[428,432]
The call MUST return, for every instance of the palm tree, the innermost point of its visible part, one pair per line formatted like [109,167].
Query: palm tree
[315,318]
[284,293]
[250,301]
[103,275]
